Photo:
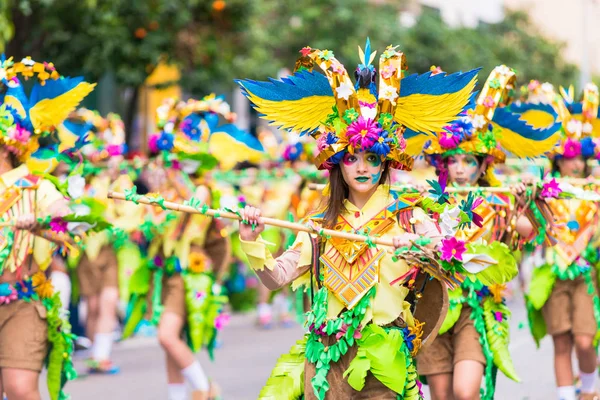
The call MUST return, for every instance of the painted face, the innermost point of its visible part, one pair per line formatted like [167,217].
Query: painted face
[572,167]
[463,169]
[361,171]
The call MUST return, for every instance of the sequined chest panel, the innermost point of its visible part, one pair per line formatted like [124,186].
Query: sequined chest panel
[352,268]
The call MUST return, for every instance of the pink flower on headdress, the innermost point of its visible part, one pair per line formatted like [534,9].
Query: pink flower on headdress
[533,85]
[448,140]
[153,143]
[488,101]
[551,189]
[363,133]
[113,150]
[388,71]
[452,248]
[20,134]
[337,67]
[572,148]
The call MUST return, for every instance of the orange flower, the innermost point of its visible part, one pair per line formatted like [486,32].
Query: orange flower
[197,262]
[42,286]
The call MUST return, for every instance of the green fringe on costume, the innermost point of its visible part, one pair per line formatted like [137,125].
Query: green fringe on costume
[59,361]
[287,378]
[203,308]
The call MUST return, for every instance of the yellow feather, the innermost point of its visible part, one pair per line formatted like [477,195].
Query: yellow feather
[430,113]
[537,118]
[523,147]
[16,105]
[229,151]
[51,112]
[414,145]
[298,115]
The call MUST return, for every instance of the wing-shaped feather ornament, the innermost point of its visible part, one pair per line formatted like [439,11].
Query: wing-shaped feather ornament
[529,135]
[300,102]
[429,102]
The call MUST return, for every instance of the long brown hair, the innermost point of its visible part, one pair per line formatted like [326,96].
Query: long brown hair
[338,192]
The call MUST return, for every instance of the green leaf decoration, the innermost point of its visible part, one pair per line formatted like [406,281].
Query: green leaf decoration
[504,271]
[498,336]
[541,285]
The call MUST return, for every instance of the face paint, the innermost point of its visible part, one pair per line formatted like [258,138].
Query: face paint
[349,159]
[375,177]
[373,160]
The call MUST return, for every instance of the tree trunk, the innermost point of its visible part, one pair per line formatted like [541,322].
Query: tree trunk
[130,113]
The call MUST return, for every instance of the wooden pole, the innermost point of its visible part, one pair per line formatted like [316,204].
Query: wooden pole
[267,221]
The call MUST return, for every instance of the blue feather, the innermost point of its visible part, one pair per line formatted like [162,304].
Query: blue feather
[295,87]
[523,107]
[510,120]
[78,128]
[437,84]
[53,89]
[241,136]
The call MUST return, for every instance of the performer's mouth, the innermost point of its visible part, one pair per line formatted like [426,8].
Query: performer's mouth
[362,179]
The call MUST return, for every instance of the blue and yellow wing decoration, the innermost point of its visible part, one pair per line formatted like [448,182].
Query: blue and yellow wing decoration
[300,102]
[231,145]
[527,130]
[429,102]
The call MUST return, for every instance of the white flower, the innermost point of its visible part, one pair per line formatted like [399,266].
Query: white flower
[345,90]
[28,62]
[75,186]
[547,87]
[504,70]
[478,121]
[2,74]
[449,221]
[574,126]
[169,127]
[388,92]
[368,112]
[588,128]
[189,166]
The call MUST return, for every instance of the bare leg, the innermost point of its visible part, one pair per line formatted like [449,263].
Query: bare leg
[440,386]
[467,379]
[21,384]
[93,307]
[169,337]
[563,370]
[173,371]
[107,310]
[586,354]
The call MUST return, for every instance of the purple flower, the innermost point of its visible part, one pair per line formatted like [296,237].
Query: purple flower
[113,150]
[363,133]
[551,189]
[452,249]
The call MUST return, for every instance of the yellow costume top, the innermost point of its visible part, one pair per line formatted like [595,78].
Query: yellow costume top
[351,268]
[23,194]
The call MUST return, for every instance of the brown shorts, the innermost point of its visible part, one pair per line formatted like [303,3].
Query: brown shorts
[460,343]
[338,385]
[23,335]
[570,308]
[172,297]
[98,274]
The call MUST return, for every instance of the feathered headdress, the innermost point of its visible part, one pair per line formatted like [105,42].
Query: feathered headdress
[26,118]
[346,117]
[580,123]
[491,129]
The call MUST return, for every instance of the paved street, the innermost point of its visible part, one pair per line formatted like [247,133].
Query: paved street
[244,362]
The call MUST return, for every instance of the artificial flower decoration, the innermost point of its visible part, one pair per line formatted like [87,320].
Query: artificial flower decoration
[197,262]
[7,293]
[42,286]
[25,289]
[452,249]
[551,189]
[373,114]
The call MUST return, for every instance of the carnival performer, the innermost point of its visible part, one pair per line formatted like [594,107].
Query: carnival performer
[32,331]
[362,316]
[473,341]
[187,255]
[563,297]
[98,270]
